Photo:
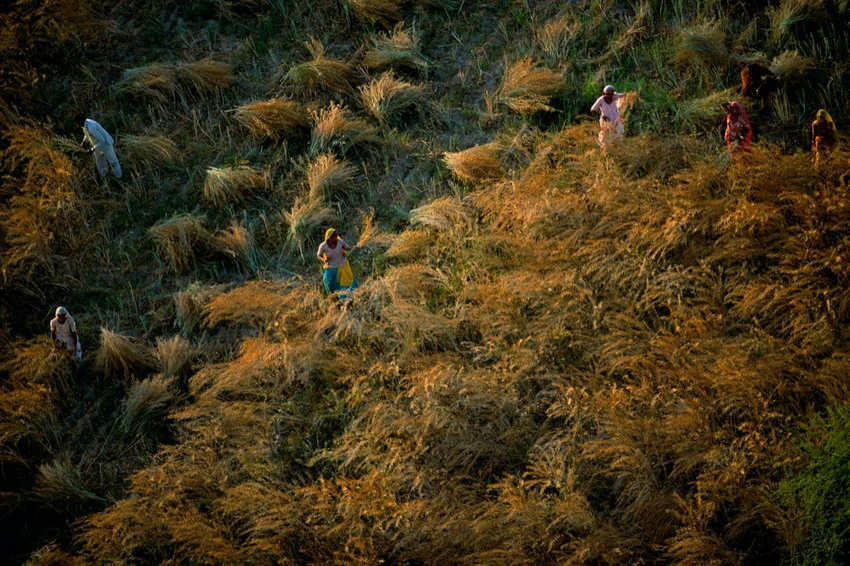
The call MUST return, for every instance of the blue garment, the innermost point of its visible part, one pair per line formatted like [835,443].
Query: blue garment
[331,279]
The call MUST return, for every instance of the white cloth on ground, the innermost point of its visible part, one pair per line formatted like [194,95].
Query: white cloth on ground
[333,257]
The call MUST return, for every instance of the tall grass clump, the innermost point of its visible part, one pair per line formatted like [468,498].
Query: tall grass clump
[322,73]
[791,66]
[326,172]
[383,12]
[528,87]
[237,242]
[271,118]
[145,405]
[555,36]
[60,484]
[119,357]
[227,185]
[335,127]
[149,152]
[189,305]
[174,355]
[181,239]
[479,163]
[702,46]
[305,218]
[388,96]
[398,49]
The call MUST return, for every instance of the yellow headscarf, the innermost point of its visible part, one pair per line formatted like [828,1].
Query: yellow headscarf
[329,232]
[824,115]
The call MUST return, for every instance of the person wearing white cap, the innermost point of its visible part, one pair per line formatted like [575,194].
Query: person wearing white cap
[610,123]
[103,147]
[63,332]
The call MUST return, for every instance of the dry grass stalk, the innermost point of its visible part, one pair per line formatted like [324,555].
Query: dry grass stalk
[702,113]
[121,357]
[527,87]
[791,13]
[271,118]
[147,152]
[555,36]
[387,96]
[335,126]
[397,49]
[174,355]
[190,303]
[305,218]
[254,304]
[206,75]
[226,185]
[321,73]
[182,239]
[383,12]
[146,401]
[478,163]
[410,244]
[327,172]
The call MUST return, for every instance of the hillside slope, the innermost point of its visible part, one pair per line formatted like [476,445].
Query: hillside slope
[555,356]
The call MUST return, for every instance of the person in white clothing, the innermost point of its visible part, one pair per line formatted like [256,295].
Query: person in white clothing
[63,332]
[611,127]
[103,147]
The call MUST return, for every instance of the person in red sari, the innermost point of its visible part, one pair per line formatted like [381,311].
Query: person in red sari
[739,133]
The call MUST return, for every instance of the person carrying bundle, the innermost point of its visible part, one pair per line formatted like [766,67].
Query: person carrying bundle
[739,132]
[824,136]
[103,147]
[337,274]
[611,126]
[63,333]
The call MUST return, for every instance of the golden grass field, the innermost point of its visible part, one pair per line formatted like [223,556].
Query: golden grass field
[555,355]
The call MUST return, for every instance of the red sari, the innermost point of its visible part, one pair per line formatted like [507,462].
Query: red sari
[739,133]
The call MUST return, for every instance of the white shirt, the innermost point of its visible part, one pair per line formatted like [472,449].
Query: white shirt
[333,257]
[95,134]
[608,110]
[63,331]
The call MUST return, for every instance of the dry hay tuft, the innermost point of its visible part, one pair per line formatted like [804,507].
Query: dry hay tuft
[182,239]
[327,172]
[121,357]
[226,185]
[478,163]
[148,152]
[335,127]
[271,118]
[387,96]
[528,87]
[305,218]
[399,49]
[321,73]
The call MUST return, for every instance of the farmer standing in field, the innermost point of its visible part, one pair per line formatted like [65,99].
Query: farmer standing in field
[63,332]
[824,136]
[337,274]
[610,123]
[103,147]
[739,132]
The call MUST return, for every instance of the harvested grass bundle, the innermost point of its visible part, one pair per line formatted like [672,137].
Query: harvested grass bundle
[148,152]
[701,46]
[397,49]
[383,12]
[164,81]
[120,357]
[146,401]
[335,126]
[226,185]
[791,13]
[254,304]
[386,96]
[447,214]
[791,66]
[237,242]
[189,304]
[320,74]
[326,172]
[181,239]
[478,163]
[174,356]
[704,114]
[527,87]
[60,484]
[410,244]
[304,218]
[271,118]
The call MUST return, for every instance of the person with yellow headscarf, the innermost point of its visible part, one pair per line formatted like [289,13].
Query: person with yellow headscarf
[332,253]
[824,136]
